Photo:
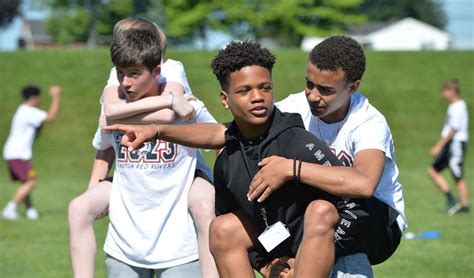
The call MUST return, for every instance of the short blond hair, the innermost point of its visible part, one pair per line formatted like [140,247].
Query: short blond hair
[452,84]
[142,24]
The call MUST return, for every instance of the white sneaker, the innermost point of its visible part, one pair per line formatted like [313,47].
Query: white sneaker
[32,214]
[10,214]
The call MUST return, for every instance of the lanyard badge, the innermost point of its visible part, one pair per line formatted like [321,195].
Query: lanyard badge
[274,234]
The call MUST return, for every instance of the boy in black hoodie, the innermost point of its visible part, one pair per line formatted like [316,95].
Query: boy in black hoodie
[260,130]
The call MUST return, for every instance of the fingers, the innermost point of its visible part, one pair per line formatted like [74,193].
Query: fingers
[265,161]
[136,143]
[115,127]
[54,90]
[280,268]
[253,185]
[260,191]
[190,97]
[268,191]
[190,117]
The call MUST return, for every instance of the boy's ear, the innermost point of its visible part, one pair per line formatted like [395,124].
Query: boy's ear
[354,86]
[156,71]
[224,99]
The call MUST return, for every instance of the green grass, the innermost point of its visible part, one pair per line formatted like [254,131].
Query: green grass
[404,86]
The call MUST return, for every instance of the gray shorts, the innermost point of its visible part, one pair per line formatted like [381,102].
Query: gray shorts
[118,269]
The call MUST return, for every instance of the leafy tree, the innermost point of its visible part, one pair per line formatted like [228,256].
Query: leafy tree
[288,21]
[73,20]
[86,20]
[184,20]
[9,9]
[428,11]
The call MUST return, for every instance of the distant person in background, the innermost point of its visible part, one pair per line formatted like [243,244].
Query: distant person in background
[17,151]
[450,150]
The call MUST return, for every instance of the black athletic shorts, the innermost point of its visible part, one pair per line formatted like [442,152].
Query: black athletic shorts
[368,226]
[452,156]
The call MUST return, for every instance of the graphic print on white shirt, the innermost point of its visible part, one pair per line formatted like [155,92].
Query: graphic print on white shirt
[150,225]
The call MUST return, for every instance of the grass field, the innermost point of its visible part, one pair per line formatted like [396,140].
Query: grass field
[404,86]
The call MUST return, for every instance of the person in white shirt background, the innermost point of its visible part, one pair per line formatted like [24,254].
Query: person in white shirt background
[17,150]
[450,150]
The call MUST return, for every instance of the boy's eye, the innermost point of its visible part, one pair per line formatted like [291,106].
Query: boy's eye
[309,85]
[267,87]
[243,90]
[324,90]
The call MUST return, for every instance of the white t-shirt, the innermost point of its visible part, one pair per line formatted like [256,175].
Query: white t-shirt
[150,225]
[457,118]
[26,121]
[363,128]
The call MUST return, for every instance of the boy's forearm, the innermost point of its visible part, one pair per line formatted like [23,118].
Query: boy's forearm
[337,180]
[53,109]
[203,136]
[443,141]
[163,116]
[122,109]
[102,163]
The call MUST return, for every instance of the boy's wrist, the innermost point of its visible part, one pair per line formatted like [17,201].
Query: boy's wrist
[171,100]
[158,131]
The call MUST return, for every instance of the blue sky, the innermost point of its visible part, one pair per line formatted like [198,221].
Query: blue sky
[460,14]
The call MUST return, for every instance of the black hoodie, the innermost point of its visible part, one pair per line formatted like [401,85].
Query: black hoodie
[237,165]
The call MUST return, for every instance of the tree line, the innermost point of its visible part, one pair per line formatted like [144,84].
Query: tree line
[285,21]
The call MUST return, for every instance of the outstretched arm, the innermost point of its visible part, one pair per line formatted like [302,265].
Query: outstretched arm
[54,92]
[204,136]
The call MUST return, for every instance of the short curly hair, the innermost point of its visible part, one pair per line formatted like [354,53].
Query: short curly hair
[339,52]
[237,55]
[30,91]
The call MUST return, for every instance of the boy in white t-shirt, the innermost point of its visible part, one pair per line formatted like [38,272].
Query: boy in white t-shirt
[150,230]
[450,149]
[17,150]
[94,202]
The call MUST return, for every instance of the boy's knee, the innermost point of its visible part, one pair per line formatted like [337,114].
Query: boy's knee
[77,209]
[430,170]
[320,217]
[202,211]
[222,233]
[31,183]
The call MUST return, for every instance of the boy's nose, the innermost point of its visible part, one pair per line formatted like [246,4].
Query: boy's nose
[126,82]
[313,95]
